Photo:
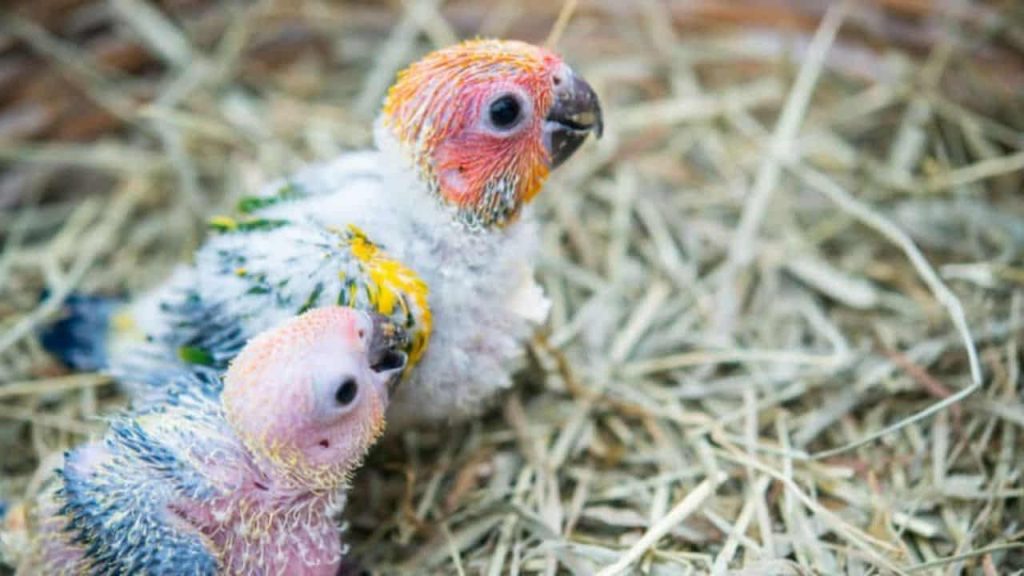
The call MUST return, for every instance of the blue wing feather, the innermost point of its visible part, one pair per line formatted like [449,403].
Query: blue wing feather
[118,509]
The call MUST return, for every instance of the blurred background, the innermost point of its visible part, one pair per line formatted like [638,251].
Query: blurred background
[788,284]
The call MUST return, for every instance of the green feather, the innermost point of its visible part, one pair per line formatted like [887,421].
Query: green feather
[228,224]
[313,297]
[195,355]
[251,204]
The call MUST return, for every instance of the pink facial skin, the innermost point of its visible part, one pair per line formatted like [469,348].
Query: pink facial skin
[307,403]
[305,400]
[258,476]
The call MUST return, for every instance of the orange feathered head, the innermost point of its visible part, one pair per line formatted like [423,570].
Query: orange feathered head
[485,121]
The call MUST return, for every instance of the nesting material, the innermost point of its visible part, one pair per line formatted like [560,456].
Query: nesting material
[787,286]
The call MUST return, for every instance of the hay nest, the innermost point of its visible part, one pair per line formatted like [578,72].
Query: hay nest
[788,285]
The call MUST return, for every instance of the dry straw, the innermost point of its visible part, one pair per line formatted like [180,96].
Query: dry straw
[787,286]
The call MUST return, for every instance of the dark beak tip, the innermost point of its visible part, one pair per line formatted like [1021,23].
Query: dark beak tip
[577,110]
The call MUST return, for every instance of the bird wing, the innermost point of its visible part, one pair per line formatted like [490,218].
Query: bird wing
[259,269]
[118,497]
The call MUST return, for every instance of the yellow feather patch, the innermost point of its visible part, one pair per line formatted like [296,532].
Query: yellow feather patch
[392,284]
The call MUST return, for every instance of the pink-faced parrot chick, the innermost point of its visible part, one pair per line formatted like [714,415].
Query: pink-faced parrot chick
[240,475]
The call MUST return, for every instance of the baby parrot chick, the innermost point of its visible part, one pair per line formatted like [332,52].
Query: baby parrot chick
[432,228]
[240,475]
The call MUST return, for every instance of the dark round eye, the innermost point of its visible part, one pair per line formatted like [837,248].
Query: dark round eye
[346,392]
[505,111]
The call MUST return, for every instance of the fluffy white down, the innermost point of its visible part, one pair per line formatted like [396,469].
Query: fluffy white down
[483,296]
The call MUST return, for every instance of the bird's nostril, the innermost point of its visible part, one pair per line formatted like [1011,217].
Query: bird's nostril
[346,391]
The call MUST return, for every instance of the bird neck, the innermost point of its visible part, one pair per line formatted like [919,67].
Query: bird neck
[260,531]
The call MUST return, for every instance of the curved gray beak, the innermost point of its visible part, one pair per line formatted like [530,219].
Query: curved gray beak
[575,113]
[387,350]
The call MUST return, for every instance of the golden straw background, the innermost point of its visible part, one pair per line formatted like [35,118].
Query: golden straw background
[788,284]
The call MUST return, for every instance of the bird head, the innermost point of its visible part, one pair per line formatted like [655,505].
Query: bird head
[308,398]
[483,123]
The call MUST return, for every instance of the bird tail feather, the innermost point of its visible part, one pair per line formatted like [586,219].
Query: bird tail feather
[81,336]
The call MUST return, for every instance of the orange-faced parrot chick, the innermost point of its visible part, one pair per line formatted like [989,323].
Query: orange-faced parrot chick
[243,475]
[465,140]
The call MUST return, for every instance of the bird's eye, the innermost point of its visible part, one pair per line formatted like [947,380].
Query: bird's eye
[505,112]
[346,392]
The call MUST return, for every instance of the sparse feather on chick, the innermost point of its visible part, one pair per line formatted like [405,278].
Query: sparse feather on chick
[240,476]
